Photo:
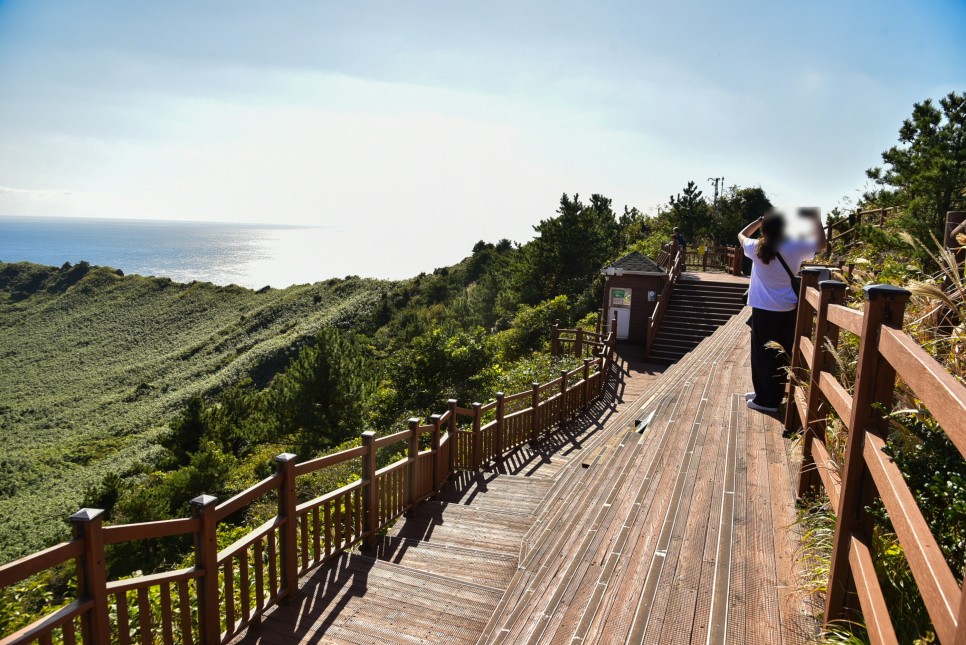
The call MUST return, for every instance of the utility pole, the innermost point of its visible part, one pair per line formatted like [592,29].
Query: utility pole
[718,183]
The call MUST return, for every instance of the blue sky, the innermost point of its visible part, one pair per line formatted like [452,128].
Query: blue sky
[425,125]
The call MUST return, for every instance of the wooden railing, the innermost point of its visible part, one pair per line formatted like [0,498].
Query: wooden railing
[582,343]
[227,590]
[665,258]
[724,259]
[654,322]
[885,354]
[845,232]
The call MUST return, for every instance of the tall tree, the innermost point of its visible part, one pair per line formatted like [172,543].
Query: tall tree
[319,399]
[690,212]
[925,174]
[569,249]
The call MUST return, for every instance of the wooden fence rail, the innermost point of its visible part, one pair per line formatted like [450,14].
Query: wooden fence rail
[885,354]
[844,233]
[723,259]
[227,590]
[674,273]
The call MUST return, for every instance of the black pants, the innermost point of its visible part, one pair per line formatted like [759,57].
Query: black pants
[767,373]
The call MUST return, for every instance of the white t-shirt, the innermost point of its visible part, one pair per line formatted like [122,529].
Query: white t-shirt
[771,288]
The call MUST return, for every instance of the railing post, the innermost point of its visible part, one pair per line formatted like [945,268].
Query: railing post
[477,437]
[586,388]
[600,320]
[803,327]
[555,339]
[285,466]
[535,413]
[453,442]
[874,384]
[500,425]
[371,495]
[87,525]
[562,414]
[412,459]
[436,420]
[206,559]
[579,350]
[831,292]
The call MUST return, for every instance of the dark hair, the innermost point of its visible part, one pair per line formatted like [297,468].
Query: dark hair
[772,235]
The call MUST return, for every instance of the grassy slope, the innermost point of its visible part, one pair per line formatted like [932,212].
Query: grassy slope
[91,368]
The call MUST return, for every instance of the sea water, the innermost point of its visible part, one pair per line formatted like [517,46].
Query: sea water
[250,255]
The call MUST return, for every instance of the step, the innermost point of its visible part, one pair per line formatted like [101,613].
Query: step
[465,526]
[692,306]
[496,492]
[489,569]
[679,300]
[678,337]
[687,322]
[718,286]
[688,316]
[708,298]
[359,599]
[688,342]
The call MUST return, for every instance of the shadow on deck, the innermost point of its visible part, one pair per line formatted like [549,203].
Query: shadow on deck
[681,533]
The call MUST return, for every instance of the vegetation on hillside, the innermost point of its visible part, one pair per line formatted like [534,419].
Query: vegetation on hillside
[96,363]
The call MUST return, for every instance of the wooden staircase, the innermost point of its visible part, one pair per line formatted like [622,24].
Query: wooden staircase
[697,308]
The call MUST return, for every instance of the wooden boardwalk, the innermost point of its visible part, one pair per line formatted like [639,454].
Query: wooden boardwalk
[664,516]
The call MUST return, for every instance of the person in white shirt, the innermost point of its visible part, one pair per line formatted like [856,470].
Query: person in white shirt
[772,297]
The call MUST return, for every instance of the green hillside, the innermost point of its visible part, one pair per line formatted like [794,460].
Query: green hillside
[93,362]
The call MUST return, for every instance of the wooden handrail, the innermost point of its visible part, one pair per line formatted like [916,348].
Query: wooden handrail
[277,552]
[886,354]
[654,322]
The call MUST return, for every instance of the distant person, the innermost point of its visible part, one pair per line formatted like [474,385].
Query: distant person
[678,239]
[776,260]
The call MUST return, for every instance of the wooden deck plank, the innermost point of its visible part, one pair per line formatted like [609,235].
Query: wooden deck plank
[613,620]
[762,617]
[682,617]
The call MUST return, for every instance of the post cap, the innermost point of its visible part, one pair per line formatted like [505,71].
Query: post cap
[87,515]
[369,434]
[413,421]
[873,291]
[832,284]
[812,270]
[477,404]
[535,384]
[435,417]
[284,458]
[500,395]
[203,500]
[451,401]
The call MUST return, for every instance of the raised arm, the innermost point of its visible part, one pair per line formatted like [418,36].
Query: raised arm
[821,240]
[749,230]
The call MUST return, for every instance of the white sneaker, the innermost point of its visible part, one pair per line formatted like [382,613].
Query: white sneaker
[749,396]
[754,406]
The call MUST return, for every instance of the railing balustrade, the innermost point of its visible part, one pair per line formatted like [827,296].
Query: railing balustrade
[228,590]
[885,353]
[654,322]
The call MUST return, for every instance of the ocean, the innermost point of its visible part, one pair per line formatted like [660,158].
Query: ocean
[244,254]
